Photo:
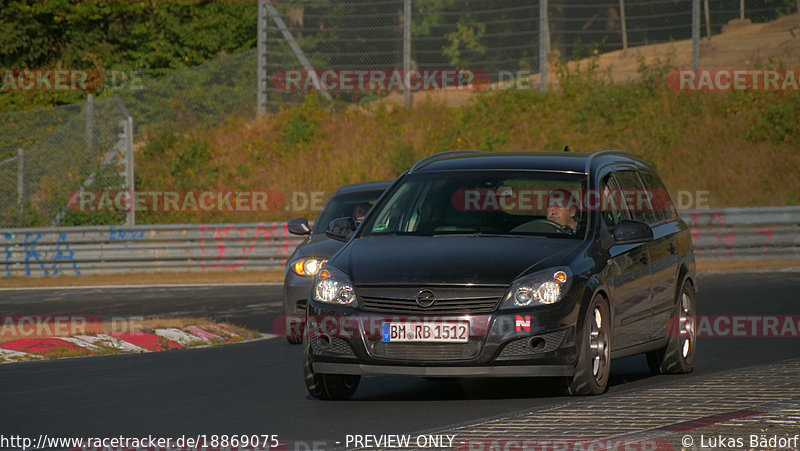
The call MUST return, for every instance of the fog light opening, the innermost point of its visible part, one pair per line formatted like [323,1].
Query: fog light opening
[323,341]
[537,344]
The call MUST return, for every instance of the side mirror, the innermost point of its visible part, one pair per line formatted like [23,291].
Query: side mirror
[341,229]
[631,232]
[298,226]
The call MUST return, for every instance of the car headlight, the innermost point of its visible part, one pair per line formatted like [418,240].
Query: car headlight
[307,266]
[541,288]
[333,287]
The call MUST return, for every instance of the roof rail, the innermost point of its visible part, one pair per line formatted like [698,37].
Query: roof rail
[602,153]
[442,156]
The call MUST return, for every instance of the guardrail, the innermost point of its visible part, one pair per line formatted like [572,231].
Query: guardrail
[734,233]
[115,249]
[745,233]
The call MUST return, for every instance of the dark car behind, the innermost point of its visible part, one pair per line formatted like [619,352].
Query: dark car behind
[316,248]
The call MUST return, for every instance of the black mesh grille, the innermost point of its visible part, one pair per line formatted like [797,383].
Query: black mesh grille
[449,300]
[425,351]
[551,342]
[335,345]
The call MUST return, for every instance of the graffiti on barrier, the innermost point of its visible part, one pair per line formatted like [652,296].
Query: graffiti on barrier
[36,255]
[127,236]
[232,246]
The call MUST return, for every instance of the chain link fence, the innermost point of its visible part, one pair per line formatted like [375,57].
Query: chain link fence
[497,39]
[46,155]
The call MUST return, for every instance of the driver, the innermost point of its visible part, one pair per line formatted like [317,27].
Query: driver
[561,210]
[360,210]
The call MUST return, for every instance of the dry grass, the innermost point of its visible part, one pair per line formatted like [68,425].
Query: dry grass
[740,147]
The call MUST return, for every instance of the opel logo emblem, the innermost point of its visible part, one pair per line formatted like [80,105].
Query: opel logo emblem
[425,298]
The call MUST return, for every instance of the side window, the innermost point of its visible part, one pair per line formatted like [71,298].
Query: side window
[611,210]
[635,197]
[663,207]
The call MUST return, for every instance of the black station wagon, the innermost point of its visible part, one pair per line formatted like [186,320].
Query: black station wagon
[477,264]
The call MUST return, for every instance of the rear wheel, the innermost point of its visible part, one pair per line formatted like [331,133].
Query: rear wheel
[594,358]
[327,386]
[678,356]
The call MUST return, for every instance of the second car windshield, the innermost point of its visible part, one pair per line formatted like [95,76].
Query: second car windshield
[482,203]
[355,205]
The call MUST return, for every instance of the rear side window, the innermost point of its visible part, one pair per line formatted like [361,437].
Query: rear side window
[636,198]
[612,211]
[663,207]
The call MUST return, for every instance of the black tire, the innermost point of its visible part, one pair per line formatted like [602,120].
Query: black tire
[329,387]
[294,338]
[678,356]
[594,357]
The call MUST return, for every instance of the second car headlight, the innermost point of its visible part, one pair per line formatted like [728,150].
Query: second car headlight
[333,287]
[541,288]
[307,266]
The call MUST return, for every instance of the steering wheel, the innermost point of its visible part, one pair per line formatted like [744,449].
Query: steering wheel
[550,223]
[560,228]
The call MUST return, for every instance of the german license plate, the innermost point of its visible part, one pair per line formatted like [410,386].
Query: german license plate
[450,332]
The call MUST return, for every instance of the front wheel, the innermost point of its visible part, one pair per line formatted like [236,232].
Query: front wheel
[678,356]
[594,358]
[337,387]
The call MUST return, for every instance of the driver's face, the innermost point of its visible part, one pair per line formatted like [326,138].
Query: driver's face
[559,214]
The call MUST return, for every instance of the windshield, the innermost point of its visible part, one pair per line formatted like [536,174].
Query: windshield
[519,203]
[355,205]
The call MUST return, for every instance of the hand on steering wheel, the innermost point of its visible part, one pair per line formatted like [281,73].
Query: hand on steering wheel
[560,228]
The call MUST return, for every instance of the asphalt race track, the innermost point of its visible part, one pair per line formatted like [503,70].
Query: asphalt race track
[257,387]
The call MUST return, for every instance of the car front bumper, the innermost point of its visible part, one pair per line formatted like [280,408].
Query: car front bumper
[347,341]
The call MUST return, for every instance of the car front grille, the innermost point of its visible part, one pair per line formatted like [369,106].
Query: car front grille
[425,351]
[449,300]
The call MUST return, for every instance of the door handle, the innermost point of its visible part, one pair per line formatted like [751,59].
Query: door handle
[672,248]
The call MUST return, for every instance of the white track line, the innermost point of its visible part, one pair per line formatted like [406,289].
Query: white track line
[114,342]
[79,342]
[9,354]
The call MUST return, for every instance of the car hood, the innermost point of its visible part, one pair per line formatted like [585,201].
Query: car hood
[319,246]
[448,259]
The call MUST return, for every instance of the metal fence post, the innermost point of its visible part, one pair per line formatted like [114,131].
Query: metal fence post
[741,9]
[544,44]
[408,96]
[696,34]
[708,20]
[623,25]
[261,53]
[20,179]
[131,217]
[298,52]
[89,122]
